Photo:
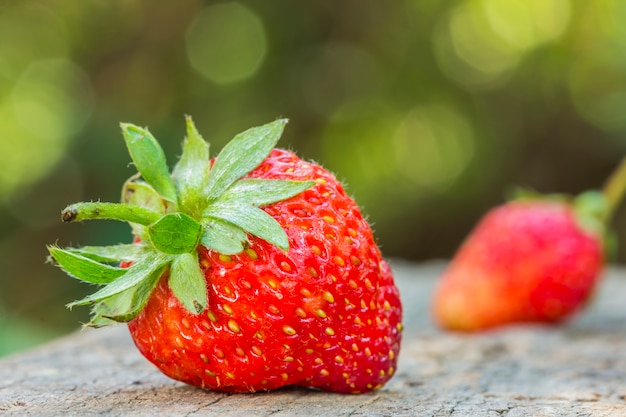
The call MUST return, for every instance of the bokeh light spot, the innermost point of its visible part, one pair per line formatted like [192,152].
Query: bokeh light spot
[50,102]
[609,16]
[526,24]
[386,153]
[433,145]
[598,87]
[468,51]
[355,144]
[481,42]
[29,31]
[52,99]
[226,43]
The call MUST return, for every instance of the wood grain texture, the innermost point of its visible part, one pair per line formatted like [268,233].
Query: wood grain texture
[578,369]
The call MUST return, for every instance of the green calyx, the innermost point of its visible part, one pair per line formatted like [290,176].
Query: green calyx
[593,209]
[590,207]
[202,202]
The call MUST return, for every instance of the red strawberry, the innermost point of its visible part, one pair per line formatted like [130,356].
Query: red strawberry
[529,260]
[249,272]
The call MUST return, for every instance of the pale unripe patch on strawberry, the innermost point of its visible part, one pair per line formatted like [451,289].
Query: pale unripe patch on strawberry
[250,271]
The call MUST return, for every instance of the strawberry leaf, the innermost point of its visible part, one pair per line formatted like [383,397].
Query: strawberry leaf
[187,282]
[117,253]
[241,155]
[192,171]
[137,273]
[126,305]
[149,159]
[223,237]
[591,209]
[141,194]
[83,268]
[252,220]
[175,233]
[97,320]
[259,192]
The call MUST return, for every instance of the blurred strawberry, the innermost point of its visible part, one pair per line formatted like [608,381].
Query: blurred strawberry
[533,259]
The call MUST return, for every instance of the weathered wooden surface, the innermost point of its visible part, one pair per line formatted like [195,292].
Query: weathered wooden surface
[574,370]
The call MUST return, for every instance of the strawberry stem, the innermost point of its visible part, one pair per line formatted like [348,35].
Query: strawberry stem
[79,212]
[614,189]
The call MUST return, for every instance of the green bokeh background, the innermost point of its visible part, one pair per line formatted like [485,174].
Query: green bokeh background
[428,110]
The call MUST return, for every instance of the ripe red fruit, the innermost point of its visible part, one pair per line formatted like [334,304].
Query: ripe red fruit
[244,278]
[526,261]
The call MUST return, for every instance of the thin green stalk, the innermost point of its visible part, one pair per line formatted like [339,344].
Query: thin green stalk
[614,189]
[109,211]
